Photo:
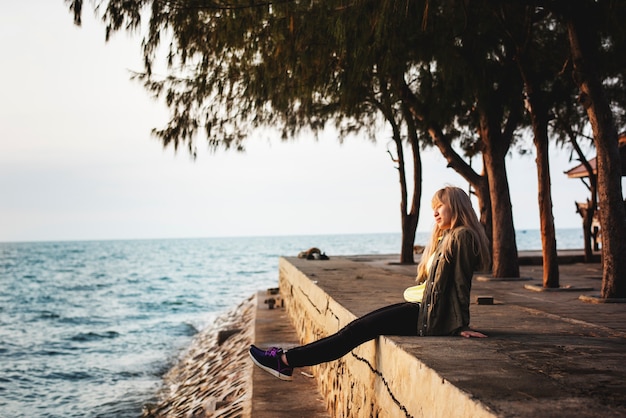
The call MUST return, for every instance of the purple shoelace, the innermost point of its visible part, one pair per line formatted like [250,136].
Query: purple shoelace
[273,352]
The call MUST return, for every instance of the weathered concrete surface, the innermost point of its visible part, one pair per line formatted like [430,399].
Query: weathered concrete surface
[548,353]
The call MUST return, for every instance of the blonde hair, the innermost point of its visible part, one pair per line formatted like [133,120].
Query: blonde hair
[463,215]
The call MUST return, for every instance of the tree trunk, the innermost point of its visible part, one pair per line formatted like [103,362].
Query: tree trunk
[587,234]
[481,188]
[538,105]
[406,256]
[411,218]
[612,212]
[504,248]
[592,203]
[539,120]
[548,234]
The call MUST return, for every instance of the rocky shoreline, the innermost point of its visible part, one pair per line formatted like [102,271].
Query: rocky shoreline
[213,376]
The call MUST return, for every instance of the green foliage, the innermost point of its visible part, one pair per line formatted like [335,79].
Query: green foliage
[234,65]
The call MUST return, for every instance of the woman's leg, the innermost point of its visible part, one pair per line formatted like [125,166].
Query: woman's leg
[398,319]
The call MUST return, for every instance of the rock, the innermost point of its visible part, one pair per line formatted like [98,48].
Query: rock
[211,379]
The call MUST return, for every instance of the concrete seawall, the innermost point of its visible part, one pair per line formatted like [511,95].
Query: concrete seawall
[378,378]
[550,353]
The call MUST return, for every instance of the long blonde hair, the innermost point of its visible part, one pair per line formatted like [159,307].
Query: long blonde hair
[462,215]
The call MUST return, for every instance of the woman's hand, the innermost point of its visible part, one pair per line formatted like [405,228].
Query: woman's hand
[469,333]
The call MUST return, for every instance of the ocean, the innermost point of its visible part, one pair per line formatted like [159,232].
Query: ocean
[87,328]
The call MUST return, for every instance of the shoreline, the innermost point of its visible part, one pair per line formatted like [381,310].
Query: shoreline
[212,377]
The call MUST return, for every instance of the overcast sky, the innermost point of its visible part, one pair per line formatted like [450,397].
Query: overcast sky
[77,160]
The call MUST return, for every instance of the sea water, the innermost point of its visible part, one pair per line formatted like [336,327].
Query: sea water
[88,328]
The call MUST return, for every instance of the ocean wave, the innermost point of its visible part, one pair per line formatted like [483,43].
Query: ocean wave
[93,336]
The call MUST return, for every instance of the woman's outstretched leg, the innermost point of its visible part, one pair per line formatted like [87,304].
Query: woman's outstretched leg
[398,319]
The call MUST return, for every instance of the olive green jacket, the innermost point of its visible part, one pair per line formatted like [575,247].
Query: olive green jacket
[444,308]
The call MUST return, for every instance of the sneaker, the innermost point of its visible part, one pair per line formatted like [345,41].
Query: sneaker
[270,362]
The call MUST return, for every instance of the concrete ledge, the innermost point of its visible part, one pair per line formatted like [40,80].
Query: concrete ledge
[383,378]
[548,354]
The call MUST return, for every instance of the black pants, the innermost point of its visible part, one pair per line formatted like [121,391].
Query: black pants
[398,319]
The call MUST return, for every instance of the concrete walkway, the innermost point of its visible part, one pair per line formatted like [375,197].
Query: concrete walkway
[549,353]
[271,397]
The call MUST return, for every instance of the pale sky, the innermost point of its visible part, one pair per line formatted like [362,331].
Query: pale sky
[78,162]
